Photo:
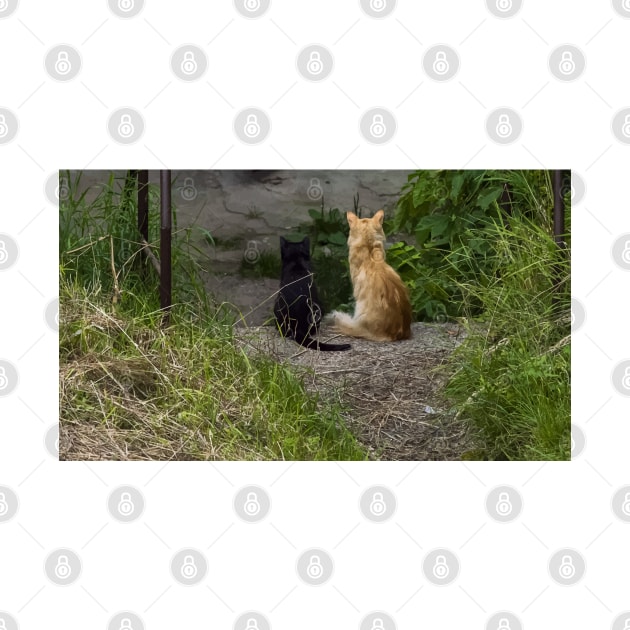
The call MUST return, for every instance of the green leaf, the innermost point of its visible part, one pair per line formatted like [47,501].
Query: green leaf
[485,200]
[337,238]
[456,186]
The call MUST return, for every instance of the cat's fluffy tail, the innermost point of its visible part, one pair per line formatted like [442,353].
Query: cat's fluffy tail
[349,326]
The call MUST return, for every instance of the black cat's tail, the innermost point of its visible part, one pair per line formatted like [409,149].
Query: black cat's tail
[313,344]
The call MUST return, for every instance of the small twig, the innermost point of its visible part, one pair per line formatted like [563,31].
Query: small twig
[90,244]
[151,256]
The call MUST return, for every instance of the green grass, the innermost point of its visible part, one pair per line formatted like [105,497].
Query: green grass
[511,376]
[131,388]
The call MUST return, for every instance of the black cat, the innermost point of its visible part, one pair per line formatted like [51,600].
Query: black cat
[297,309]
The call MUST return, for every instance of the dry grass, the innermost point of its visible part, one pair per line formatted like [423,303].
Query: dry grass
[131,390]
[390,390]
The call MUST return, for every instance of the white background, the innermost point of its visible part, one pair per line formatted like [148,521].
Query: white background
[314,125]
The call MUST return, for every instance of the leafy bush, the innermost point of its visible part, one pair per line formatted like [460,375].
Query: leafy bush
[451,215]
[328,233]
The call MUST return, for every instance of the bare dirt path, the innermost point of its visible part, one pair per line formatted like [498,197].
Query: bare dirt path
[391,390]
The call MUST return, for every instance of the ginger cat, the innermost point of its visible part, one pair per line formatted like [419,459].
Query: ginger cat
[382,311]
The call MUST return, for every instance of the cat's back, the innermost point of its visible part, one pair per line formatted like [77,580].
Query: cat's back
[384,297]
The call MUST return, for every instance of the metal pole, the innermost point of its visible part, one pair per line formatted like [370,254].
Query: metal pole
[165,243]
[143,209]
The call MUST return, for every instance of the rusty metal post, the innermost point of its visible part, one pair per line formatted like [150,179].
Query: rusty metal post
[165,243]
[143,211]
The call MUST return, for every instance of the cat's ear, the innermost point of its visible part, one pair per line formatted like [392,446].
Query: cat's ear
[378,217]
[352,218]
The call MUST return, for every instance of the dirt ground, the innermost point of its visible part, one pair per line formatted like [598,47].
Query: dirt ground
[390,390]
